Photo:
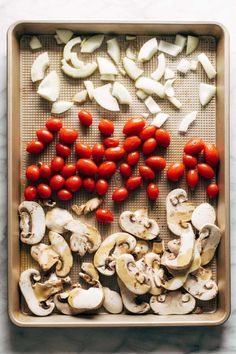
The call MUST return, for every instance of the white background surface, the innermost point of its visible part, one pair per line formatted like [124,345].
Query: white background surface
[153,340]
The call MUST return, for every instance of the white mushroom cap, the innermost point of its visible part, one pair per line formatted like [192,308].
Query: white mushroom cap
[130,300]
[112,301]
[202,215]
[86,299]
[172,303]
[61,247]
[137,223]
[57,218]
[45,255]
[209,239]
[32,222]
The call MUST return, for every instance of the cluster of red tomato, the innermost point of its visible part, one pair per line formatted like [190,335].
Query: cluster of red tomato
[206,170]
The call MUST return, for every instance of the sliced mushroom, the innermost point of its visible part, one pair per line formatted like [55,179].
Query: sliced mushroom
[202,215]
[32,222]
[209,238]
[172,303]
[131,301]
[88,207]
[112,301]
[201,285]
[111,248]
[158,247]
[137,223]
[129,273]
[86,299]
[178,211]
[89,274]
[61,302]
[59,244]
[85,237]
[50,287]
[57,218]
[152,268]
[141,248]
[45,255]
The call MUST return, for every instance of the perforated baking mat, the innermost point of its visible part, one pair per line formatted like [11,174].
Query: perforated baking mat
[35,111]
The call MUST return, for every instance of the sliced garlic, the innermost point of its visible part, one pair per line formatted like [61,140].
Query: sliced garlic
[180,41]
[113,49]
[106,67]
[147,50]
[75,61]
[68,47]
[61,107]
[64,35]
[169,74]
[49,88]
[107,77]
[79,73]
[169,90]
[35,43]
[141,94]
[39,67]
[80,97]
[206,93]
[169,48]
[120,92]
[90,88]
[92,43]
[192,44]
[131,69]
[175,102]
[186,121]
[151,105]
[104,98]
[160,119]
[183,66]
[160,71]
[207,66]
[193,65]
[150,86]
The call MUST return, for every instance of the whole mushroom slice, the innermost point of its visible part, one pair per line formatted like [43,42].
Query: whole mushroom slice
[112,301]
[65,262]
[201,285]
[32,222]
[131,275]
[86,299]
[138,223]
[178,211]
[202,215]
[85,237]
[57,218]
[131,301]
[45,255]
[172,303]
[110,249]
[209,239]
[89,274]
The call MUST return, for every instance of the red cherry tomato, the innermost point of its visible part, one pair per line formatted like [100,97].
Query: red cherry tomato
[192,178]
[111,142]
[134,126]
[133,182]
[211,155]
[149,146]
[44,135]
[62,150]
[101,186]
[30,193]
[86,167]
[157,163]
[107,169]
[89,184]
[32,173]
[104,215]
[68,170]
[205,171]
[64,195]
[57,182]
[83,150]
[98,152]
[114,154]
[35,147]
[189,161]
[212,190]
[175,172]
[57,164]
[85,118]
[133,158]
[194,146]
[45,171]
[146,172]
[106,127]
[125,170]
[54,125]
[73,183]
[67,135]
[120,194]
[147,133]
[131,143]
[152,191]
[162,137]
[44,191]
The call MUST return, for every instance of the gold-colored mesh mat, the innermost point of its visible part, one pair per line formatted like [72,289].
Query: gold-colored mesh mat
[35,111]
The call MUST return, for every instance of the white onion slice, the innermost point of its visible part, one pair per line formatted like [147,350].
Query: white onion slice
[68,47]
[106,67]
[58,39]
[147,50]
[120,92]
[207,66]
[80,73]
[180,41]
[107,77]
[61,107]
[39,66]
[169,90]
[122,71]
[169,74]
[193,65]
[175,102]
[35,43]
[129,53]
[169,48]
[64,35]
[113,49]
[75,61]
[150,86]
[130,37]
[151,105]
[90,88]
[92,43]
[49,88]
[104,98]
[186,121]
[141,95]
[192,44]
[160,119]
[160,71]
[183,66]
[80,96]
[206,93]
[145,115]
[131,69]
